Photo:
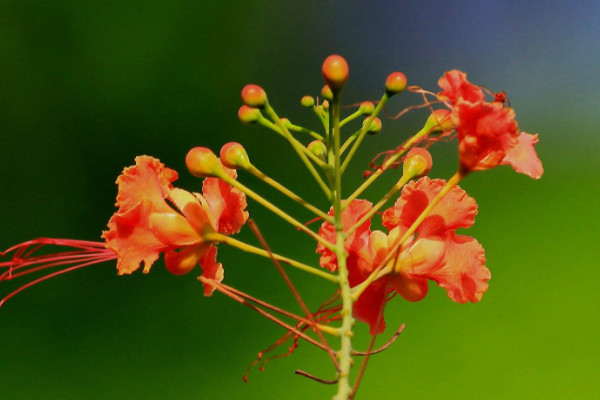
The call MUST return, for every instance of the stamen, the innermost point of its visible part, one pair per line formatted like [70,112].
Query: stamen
[24,262]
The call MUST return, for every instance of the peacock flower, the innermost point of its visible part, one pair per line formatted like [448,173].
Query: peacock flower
[153,217]
[488,134]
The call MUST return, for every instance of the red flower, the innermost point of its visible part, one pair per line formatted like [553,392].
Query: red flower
[455,86]
[435,252]
[488,135]
[154,218]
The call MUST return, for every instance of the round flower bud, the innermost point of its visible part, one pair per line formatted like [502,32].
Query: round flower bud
[335,72]
[417,162]
[202,162]
[325,105]
[307,101]
[375,127]
[254,96]
[367,107]
[395,83]
[248,115]
[234,156]
[318,148]
[439,121]
[327,93]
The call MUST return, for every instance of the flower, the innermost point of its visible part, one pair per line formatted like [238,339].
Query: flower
[488,134]
[153,217]
[435,252]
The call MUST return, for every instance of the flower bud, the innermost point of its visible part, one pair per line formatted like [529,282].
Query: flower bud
[248,115]
[418,162]
[395,83]
[375,127]
[367,107]
[307,101]
[325,105]
[318,148]
[439,121]
[335,72]
[202,162]
[234,156]
[254,96]
[327,93]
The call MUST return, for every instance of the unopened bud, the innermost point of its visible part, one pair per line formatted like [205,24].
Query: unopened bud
[318,148]
[248,115]
[234,156]
[395,83]
[202,162]
[307,101]
[439,121]
[418,162]
[325,105]
[367,107]
[327,93]
[375,127]
[335,72]
[254,96]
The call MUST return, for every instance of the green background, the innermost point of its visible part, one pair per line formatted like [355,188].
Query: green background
[87,86]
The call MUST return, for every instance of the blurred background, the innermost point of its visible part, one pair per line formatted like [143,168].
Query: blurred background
[87,86]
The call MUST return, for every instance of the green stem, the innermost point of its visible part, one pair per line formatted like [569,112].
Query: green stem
[260,175]
[300,129]
[268,124]
[298,148]
[423,132]
[363,131]
[276,210]
[384,269]
[346,333]
[376,207]
[217,237]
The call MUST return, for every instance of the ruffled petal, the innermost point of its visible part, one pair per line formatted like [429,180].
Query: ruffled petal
[227,204]
[455,210]
[486,132]
[464,275]
[131,238]
[148,179]
[523,157]
[455,86]
[211,269]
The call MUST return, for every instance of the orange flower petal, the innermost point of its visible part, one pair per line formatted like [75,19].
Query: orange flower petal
[211,269]
[523,157]
[486,133]
[455,86]
[148,179]
[131,238]
[455,210]
[464,275]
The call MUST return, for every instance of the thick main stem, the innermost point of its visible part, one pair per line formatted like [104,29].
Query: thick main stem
[345,352]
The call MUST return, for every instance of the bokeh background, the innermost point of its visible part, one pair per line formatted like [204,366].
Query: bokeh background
[87,86]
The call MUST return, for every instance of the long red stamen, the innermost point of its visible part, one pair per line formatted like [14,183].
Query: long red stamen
[25,262]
